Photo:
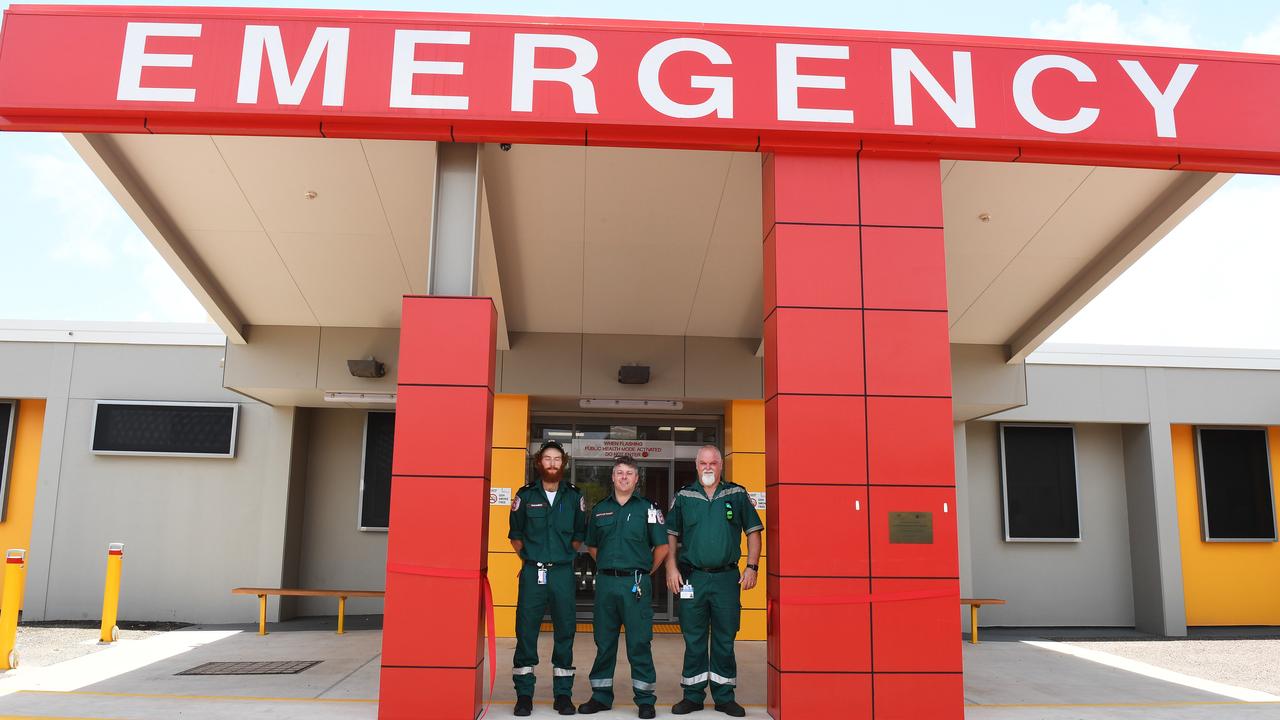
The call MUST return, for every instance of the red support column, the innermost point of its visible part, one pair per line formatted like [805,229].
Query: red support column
[858,427]
[439,511]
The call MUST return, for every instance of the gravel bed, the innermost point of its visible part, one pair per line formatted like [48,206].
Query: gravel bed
[46,643]
[1249,663]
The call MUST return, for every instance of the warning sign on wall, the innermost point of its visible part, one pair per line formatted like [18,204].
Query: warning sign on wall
[499,496]
[638,449]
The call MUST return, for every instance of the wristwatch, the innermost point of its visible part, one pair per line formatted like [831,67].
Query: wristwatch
[753,567]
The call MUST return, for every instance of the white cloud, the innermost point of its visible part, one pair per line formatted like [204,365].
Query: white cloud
[1265,41]
[1100,22]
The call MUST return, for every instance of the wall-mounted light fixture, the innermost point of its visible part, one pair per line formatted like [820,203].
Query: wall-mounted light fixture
[630,404]
[359,397]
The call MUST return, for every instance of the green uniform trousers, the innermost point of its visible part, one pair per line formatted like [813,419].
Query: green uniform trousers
[530,607]
[616,606]
[713,614]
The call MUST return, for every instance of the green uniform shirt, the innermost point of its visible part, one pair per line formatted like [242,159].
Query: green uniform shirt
[625,535]
[548,530]
[709,536]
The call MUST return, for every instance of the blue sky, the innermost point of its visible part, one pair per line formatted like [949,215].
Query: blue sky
[70,253]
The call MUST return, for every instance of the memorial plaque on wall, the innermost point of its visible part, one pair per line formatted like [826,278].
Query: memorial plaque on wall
[911,528]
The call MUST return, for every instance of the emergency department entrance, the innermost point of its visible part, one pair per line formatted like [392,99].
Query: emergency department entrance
[859,149]
[665,448]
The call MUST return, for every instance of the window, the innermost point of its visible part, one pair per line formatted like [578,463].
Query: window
[1038,465]
[8,418]
[1235,484]
[123,427]
[375,476]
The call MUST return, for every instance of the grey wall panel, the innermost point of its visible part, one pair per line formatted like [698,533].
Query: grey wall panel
[276,356]
[1079,393]
[723,368]
[603,354]
[149,372]
[1087,583]
[338,345]
[25,369]
[335,554]
[193,528]
[983,382]
[1230,397]
[542,364]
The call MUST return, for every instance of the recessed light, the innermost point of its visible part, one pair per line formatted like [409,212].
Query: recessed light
[984,217]
[310,194]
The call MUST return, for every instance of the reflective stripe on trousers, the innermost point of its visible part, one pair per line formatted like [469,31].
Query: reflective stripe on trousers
[644,686]
[562,672]
[606,682]
[522,670]
[703,677]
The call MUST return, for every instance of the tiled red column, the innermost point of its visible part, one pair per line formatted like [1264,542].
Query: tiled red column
[432,653]
[858,426]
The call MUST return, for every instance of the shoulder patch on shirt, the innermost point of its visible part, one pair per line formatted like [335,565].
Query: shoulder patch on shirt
[515,504]
[582,503]
[661,520]
[672,505]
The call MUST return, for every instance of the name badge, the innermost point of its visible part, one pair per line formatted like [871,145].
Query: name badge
[542,576]
[686,592]
[653,515]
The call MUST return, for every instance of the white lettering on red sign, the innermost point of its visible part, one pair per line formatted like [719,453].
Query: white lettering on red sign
[826,70]
[404,68]
[721,100]
[135,57]
[260,40]
[525,72]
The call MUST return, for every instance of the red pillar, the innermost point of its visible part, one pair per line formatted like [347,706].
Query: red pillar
[858,427]
[432,653]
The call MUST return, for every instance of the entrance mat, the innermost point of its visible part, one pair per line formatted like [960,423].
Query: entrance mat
[658,628]
[242,667]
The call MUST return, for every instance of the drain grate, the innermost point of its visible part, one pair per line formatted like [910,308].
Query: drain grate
[267,667]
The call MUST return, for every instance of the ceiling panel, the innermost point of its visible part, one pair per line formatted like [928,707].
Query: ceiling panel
[649,219]
[536,201]
[1019,197]
[348,280]
[730,294]
[404,177]
[187,176]
[254,276]
[277,173]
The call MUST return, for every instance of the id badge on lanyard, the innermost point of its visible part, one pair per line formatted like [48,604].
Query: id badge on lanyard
[542,574]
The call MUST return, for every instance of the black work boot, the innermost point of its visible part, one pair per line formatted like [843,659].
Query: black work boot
[592,706]
[732,709]
[685,706]
[647,711]
[524,706]
[564,705]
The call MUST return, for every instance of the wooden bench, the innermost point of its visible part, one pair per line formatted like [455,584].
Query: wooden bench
[974,604]
[342,596]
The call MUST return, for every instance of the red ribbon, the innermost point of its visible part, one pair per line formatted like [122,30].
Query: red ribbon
[490,625]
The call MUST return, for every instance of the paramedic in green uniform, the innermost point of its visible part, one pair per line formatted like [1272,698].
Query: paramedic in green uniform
[706,522]
[628,540]
[548,525]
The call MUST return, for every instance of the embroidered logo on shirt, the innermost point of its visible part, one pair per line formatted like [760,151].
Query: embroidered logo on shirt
[533,505]
[604,514]
[516,504]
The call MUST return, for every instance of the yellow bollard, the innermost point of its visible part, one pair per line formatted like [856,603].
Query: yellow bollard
[15,573]
[111,593]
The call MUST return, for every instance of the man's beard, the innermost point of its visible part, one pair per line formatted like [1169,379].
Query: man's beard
[552,475]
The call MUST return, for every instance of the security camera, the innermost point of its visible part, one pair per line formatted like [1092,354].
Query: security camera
[370,368]
[504,147]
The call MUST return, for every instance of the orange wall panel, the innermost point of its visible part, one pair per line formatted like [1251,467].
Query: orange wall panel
[1224,583]
[15,531]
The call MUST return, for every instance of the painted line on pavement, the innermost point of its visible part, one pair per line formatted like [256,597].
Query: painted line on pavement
[1157,673]
[166,696]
